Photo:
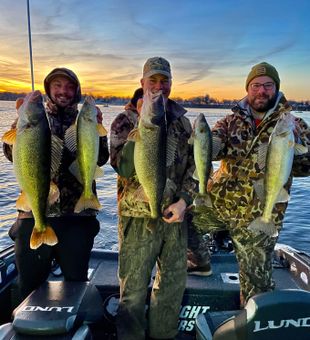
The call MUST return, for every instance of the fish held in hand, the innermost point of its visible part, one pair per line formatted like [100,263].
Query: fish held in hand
[32,165]
[83,137]
[150,150]
[202,143]
[278,167]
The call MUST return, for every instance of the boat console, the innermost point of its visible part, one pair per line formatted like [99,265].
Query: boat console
[57,310]
[282,314]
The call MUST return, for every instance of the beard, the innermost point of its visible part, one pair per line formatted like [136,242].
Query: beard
[62,101]
[262,102]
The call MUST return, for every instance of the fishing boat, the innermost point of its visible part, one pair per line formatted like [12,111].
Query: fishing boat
[210,307]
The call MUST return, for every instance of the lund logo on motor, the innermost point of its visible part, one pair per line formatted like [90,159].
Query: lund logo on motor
[68,309]
[271,324]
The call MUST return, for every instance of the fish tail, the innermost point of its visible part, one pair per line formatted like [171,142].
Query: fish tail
[259,225]
[38,238]
[84,203]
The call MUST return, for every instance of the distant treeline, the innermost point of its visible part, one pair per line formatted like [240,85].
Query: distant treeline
[197,102]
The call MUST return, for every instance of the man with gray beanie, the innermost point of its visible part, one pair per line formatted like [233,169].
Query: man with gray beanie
[239,189]
[75,231]
[141,247]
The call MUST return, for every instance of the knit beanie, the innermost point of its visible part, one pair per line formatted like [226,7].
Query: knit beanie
[263,69]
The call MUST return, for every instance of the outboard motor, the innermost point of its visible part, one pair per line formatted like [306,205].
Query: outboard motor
[281,314]
[56,310]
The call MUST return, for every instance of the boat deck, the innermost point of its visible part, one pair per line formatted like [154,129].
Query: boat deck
[218,293]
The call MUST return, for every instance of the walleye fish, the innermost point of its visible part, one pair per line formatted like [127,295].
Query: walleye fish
[202,141]
[32,165]
[83,137]
[279,161]
[150,150]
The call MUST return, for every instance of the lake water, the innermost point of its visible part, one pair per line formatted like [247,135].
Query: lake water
[296,229]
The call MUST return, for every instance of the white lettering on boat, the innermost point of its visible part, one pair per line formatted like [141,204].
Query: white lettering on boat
[272,324]
[68,309]
[188,315]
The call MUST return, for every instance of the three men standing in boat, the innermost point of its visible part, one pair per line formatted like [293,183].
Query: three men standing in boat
[237,196]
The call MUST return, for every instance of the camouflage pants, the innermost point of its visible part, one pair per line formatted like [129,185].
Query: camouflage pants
[253,251]
[139,251]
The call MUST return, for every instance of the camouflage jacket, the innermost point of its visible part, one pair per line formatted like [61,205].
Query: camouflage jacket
[238,140]
[179,184]
[69,187]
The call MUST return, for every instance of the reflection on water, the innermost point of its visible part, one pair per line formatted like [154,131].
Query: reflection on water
[296,231]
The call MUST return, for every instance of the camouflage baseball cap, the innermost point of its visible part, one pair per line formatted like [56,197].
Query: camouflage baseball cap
[156,65]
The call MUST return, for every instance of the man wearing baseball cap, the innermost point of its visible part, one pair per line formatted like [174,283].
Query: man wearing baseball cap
[140,247]
[238,190]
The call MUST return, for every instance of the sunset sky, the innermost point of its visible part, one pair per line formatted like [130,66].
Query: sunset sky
[211,44]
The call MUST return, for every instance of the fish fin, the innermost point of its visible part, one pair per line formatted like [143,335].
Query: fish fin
[203,200]
[9,137]
[56,154]
[259,189]
[101,130]
[38,238]
[170,188]
[22,202]
[195,175]
[70,139]
[171,150]
[151,224]
[300,149]
[283,196]
[216,146]
[191,138]
[262,155]
[84,203]
[19,102]
[140,195]
[75,170]
[133,135]
[268,228]
[99,172]
[54,193]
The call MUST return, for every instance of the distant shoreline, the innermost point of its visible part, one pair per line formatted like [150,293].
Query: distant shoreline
[195,103]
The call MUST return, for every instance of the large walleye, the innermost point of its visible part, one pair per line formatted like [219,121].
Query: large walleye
[202,143]
[279,161]
[150,150]
[32,165]
[83,137]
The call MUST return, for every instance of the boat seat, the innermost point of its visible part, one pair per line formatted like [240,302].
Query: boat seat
[57,310]
[281,314]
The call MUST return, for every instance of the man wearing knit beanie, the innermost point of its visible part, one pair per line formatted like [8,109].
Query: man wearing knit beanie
[262,84]
[238,189]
